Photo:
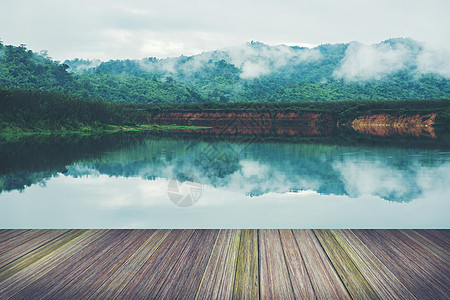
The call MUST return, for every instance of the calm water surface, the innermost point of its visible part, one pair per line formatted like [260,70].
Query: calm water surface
[169,183]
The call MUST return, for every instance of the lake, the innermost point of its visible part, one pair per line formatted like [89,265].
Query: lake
[163,181]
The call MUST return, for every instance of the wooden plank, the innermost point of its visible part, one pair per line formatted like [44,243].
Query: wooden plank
[430,245]
[246,285]
[184,278]
[301,284]
[41,267]
[354,281]
[16,241]
[324,279]
[123,264]
[89,280]
[114,285]
[382,281]
[219,276]
[151,277]
[57,278]
[274,276]
[438,256]
[24,243]
[440,237]
[426,265]
[10,233]
[47,246]
[403,263]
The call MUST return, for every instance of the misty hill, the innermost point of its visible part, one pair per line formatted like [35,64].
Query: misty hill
[393,69]
[24,69]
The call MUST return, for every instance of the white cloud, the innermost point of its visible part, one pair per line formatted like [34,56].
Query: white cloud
[374,62]
[365,62]
[434,60]
[72,28]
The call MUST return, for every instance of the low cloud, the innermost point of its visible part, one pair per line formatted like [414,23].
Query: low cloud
[434,60]
[366,62]
[377,61]
[256,59]
[253,59]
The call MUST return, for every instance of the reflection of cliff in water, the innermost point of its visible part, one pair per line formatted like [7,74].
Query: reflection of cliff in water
[384,125]
[255,124]
[272,124]
[253,169]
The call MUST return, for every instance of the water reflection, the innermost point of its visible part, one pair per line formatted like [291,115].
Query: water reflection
[124,184]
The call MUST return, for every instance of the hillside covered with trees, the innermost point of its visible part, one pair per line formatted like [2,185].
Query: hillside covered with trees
[395,69]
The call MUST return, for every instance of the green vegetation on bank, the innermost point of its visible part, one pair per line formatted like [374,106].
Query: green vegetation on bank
[28,111]
[38,94]
[25,111]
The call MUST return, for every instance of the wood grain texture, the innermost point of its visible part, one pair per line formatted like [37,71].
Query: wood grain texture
[439,237]
[382,281]
[274,276]
[53,281]
[184,279]
[115,284]
[301,283]
[437,255]
[151,276]
[325,281]
[224,264]
[25,243]
[218,279]
[354,281]
[246,284]
[42,249]
[40,268]
[7,234]
[93,277]
[405,264]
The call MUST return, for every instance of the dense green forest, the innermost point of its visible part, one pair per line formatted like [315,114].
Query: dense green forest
[39,94]
[305,75]
[21,68]
[258,72]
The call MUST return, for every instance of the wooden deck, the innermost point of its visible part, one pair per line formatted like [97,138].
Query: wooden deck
[225,264]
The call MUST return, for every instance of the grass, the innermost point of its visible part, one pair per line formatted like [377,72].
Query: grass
[150,127]
[16,132]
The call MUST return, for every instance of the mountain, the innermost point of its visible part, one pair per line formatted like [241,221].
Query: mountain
[393,69]
[24,69]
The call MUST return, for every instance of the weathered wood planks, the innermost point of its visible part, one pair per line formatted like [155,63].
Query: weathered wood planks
[301,283]
[246,284]
[225,264]
[219,276]
[275,282]
[416,273]
[324,279]
[354,281]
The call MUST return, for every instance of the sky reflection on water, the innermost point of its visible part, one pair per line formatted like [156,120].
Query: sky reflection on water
[253,186]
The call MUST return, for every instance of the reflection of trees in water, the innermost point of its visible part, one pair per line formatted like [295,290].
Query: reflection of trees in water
[34,159]
[277,167]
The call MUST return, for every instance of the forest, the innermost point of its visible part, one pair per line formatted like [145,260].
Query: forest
[38,94]
[198,79]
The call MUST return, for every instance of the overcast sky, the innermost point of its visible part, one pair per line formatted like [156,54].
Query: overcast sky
[107,29]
